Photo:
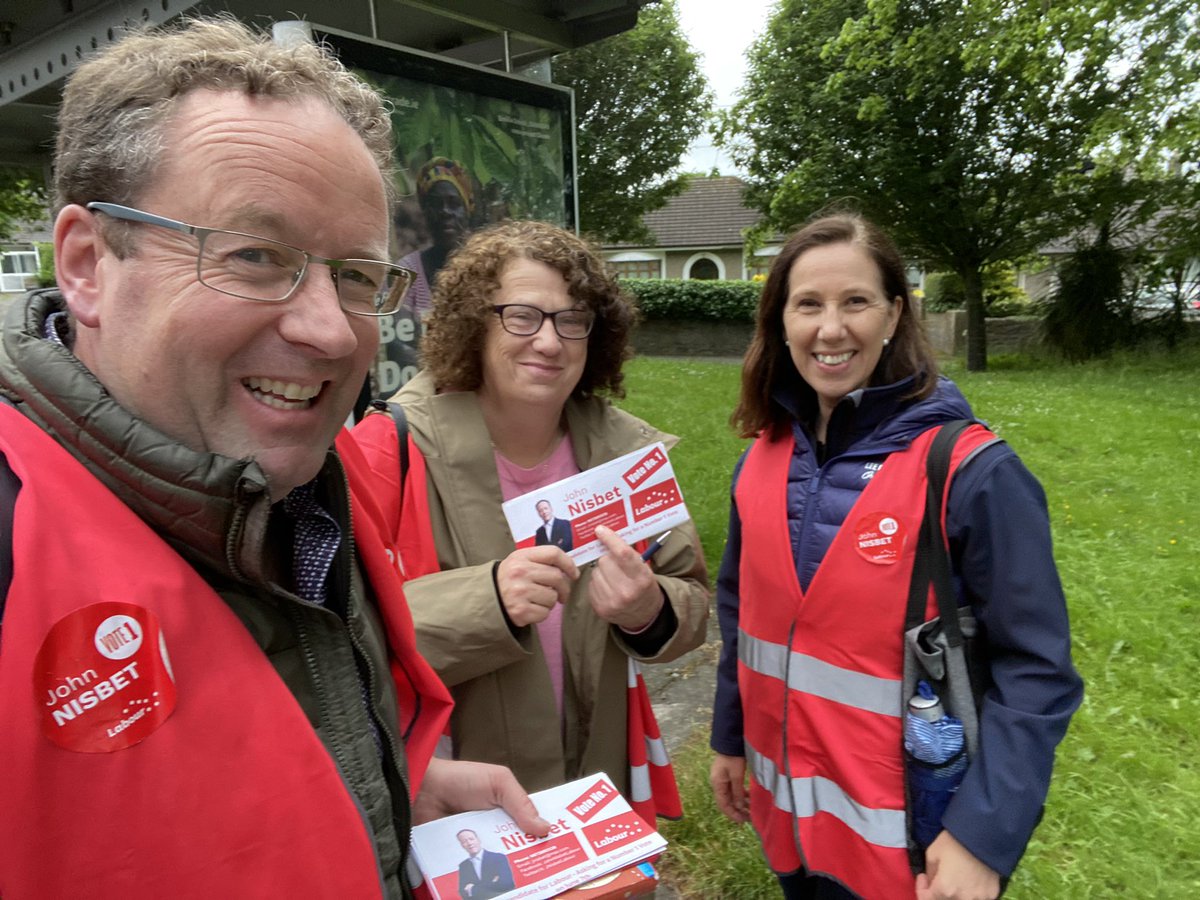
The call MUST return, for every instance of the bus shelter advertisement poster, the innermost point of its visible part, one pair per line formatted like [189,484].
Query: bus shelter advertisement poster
[464,159]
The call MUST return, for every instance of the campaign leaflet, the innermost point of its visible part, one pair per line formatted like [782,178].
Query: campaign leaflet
[593,831]
[636,495]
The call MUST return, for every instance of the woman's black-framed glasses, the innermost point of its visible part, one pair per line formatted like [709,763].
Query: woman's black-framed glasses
[524,321]
[266,271]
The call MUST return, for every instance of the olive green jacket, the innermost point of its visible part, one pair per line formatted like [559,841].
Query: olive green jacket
[217,513]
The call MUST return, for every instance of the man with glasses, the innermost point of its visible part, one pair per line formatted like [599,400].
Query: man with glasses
[226,698]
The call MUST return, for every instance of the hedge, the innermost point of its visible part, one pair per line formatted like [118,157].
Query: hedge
[674,298]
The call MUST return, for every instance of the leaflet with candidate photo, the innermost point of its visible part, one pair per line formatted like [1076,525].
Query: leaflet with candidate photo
[484,854]
[636,495]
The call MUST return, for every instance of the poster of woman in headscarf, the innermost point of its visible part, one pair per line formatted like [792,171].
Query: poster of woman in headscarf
[472,146]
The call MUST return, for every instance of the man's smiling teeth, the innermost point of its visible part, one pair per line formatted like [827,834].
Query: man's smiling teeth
[833,359]
[281,394]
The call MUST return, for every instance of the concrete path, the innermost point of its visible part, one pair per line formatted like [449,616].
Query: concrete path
[682,691]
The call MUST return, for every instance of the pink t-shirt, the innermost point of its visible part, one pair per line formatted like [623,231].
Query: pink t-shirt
[517,480]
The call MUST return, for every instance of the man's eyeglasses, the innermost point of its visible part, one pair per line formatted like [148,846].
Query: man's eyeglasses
[523,321]
[260,269]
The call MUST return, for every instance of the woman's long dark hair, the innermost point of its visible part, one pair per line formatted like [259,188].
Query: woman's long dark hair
[768,363]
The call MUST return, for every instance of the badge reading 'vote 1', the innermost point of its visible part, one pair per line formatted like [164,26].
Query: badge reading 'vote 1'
[103,679]
[879,538]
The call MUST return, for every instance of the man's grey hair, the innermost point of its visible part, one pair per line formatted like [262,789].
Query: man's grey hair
[117,105]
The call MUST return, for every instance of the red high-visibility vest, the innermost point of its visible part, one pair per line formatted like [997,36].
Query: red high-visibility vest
[820,671]
[149,748]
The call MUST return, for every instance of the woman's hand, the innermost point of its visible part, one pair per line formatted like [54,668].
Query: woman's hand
[532,580]
[623,590]
[952,872]
[728,779]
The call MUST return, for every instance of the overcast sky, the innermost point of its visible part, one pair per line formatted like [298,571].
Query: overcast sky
[720,33]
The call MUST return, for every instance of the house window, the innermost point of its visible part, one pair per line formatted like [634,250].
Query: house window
[758,265]
[18,270]
[636,264]
[703,267]
[637,268]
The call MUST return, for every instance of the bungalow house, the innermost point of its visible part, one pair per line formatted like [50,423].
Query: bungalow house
[697,234]
[700,234]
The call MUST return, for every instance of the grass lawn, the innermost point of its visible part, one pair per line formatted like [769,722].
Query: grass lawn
[1116,444]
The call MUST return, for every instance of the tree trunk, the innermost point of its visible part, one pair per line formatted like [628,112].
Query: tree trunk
[972,279]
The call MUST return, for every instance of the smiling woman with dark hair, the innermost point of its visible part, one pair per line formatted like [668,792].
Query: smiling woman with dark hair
[842,396]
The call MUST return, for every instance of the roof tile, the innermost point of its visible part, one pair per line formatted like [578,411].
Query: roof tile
[709,213]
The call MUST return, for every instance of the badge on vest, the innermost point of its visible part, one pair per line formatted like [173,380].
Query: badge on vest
[879,538]
[103,679]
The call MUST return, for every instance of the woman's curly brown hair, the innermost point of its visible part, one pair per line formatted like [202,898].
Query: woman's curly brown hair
[457,327]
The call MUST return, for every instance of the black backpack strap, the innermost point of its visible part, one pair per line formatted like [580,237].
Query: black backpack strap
[966,674]
[932,563]
[9,485]
[401,422]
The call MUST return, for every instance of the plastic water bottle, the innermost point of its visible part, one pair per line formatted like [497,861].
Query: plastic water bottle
[936,761]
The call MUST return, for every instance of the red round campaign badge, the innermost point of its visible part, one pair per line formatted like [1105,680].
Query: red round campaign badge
[879,538]
[102,678]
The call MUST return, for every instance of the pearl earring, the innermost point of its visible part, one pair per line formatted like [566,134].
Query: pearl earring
[886,341]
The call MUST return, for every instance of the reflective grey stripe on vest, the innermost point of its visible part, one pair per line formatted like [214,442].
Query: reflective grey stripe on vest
[805,797]
[639,776]
[639,783]
[656,750]
[809,675]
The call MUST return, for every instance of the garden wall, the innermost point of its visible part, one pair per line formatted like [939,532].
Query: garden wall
[947,331]
[659,337]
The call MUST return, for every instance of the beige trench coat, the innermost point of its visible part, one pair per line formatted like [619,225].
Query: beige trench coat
[505,710]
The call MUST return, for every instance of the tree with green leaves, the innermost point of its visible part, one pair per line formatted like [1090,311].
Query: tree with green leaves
[640,100]
[962,126]
[22,198]
[1139,244]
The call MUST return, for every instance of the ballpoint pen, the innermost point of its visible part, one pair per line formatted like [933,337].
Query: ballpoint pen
[655,545]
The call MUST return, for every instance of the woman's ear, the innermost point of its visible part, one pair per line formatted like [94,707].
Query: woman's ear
[79,249]
[894,315]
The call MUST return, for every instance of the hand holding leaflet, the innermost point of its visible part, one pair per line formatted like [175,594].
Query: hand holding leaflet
[532,580]
[592,830]
[624,590]
[635,495]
